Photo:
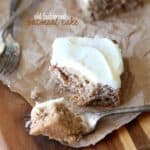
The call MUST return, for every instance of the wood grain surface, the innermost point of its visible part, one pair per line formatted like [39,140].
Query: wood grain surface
[13,136]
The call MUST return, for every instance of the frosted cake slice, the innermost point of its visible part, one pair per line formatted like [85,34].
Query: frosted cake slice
[90,68]
[98,9]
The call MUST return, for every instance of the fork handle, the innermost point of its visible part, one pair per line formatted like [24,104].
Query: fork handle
[20,10]
[125,110]
[13,7]
[14,4]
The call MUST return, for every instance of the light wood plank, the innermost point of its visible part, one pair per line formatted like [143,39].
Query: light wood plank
[144,122]
[113,142]
[125,139]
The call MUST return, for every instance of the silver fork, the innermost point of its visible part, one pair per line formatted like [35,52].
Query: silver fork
[93,118]
[10,52]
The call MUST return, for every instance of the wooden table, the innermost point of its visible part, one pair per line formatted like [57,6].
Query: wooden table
[135,135]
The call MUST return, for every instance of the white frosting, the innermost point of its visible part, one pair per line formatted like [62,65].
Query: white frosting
[97,59]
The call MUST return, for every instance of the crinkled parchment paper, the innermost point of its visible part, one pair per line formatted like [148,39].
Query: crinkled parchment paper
[130,30]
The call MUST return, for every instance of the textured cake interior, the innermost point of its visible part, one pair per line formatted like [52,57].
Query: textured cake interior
[57,122]
[103,8]
[84,92]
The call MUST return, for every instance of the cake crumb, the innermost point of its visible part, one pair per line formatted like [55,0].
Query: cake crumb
[55,120]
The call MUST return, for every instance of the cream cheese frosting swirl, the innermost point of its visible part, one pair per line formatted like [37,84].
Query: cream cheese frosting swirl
[97,59]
